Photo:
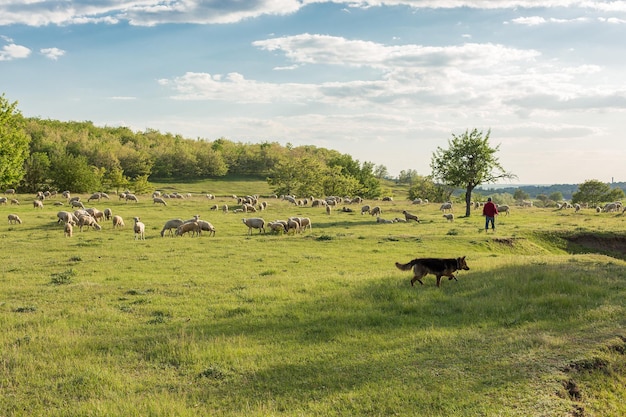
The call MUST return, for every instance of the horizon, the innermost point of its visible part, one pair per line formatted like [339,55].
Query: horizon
[386,82]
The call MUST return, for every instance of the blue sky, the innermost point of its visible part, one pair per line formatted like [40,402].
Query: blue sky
[386,81]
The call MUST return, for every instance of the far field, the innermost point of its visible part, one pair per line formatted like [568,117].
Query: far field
[319,323]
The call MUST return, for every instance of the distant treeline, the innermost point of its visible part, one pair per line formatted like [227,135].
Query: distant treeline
[533,191]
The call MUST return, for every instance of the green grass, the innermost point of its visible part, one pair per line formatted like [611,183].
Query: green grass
[315,324]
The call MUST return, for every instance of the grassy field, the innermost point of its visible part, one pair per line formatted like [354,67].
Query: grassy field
[313,324]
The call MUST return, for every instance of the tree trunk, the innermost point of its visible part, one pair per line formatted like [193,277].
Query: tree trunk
[468,200]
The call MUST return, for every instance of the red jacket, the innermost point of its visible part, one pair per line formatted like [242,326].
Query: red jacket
[490,209]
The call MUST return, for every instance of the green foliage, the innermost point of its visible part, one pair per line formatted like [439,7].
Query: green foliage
[13,143]
[37,175]
[69,172]
[593,192]
[468,162]
[426,188]
[520,195]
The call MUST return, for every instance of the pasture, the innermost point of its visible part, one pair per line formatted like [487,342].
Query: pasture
[318,323]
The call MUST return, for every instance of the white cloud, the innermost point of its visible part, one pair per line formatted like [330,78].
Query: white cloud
[13,51]
[52,53]
[154,12]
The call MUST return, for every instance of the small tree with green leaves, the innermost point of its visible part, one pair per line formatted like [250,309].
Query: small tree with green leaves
[14,143]
[593,192]
[468,162]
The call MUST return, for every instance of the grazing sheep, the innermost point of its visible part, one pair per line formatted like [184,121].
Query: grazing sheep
[66,217]
[305,223]
[95,196]
[576,208]
[3,200]
[446,206]
[140,229]
[449,216]
[10,191]
[88,221]
[399,220]
[206,227]
[225,208]
[408,216]
[38,204]
[187,227]
[328,209]
[131,197]
[14,218]
[15,201]
[365,209]
[171,224]
[77,203]
[68,230]
[214,207]
[376,211]
[118,221]
[159,200]
[107,214]
[293,223]
[254,223]
[95,213]
[277,226]
[504,209]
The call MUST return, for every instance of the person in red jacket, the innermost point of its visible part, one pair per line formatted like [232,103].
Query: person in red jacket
[490,211]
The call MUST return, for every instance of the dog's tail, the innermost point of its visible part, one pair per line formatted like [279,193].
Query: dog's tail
[405,267]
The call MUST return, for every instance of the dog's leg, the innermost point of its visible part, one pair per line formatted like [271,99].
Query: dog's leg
[438,280]
[452,277]
[416,279]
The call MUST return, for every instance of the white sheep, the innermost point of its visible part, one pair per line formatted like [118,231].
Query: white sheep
[365,209]
[131,197]
[140,229]
[504,209]
[14,218]
[254,223]
[38,204]
[187,227]
[94,196]
[206,227]
[381,220]
[15,201]
[118,221]
[277,226]
[446,206]
[66,217]
[171,224]
[159,200]
[408,216]
[305,223]
[376,211]
[77,203]
[293,223]
[3,200]
[107,214]
[88,221]
[449,216]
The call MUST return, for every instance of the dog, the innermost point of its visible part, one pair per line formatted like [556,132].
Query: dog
[440,267]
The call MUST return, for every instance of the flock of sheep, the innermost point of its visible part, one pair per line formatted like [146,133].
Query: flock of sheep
[91,217]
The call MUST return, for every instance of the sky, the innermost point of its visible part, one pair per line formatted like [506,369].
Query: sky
[385,81]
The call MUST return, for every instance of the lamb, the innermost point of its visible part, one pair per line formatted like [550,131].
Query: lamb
[305,223]
[408,216]
[254,223]
[14,218]
[376,211]
[328,210]
[449,216]
[139,229]
[68,230]
[192,227]
[159,200]
[171,224]
[118,221]
[207,227]
[107,214]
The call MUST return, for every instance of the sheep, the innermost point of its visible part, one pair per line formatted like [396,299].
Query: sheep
[171,224]
[293,224]
[159,200]
[449,216]
[192,227]
[400,220]
[95,213]
[77,203]
[408,216]
[225,208]
[305,223]
[214,207]
[139,228]
[14,218]
[376,211]
[381,220]
[118,221]
[95,196]
[446,206]
[10,191]
[37,204]
[328,209]
[504,209]
[66,217]
[3,200]
[15,201]
[68,230]
[107,214]
[576,208]
[365,209]
[131,197]
[254,223]
[207,227]
[88,221]
[609,207]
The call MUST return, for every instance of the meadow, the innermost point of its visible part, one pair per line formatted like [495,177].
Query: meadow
[319,323]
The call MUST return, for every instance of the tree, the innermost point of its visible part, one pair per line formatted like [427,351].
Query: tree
[36,172]
[14,143]
[468,162]
[594,192]
[73,173]
[520,195]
